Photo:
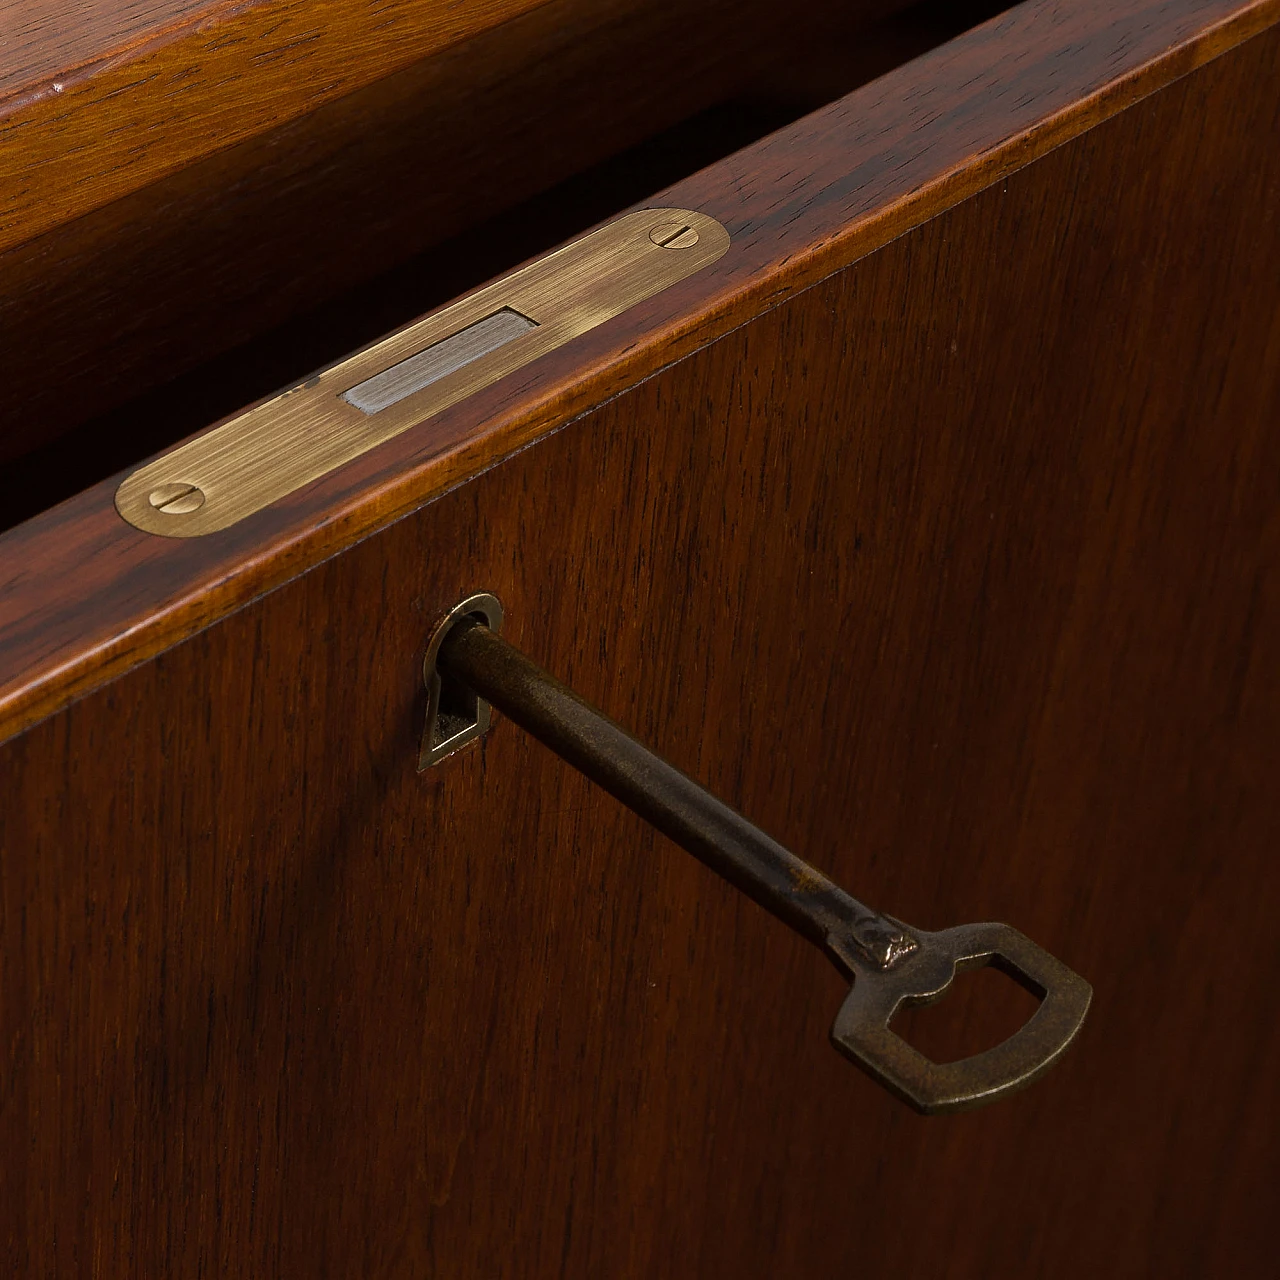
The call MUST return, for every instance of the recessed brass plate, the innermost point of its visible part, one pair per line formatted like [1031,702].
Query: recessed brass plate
[306,431]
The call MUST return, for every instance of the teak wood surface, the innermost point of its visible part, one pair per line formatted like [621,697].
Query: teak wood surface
[98,100]
[943,539]
[84,597]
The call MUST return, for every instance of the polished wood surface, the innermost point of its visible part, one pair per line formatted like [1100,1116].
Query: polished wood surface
[187,83]
[45,39]
[956,569]
[83,597]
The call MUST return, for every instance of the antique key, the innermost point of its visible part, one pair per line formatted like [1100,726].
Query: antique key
[890,964]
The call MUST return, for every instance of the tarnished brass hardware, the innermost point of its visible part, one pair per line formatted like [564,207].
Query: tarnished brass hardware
[176,499]
[389,387]
[674,235]
[891,964]
[456,715]
[306,431]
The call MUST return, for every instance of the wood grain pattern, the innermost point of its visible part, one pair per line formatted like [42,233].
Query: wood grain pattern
[46,38]
[92,133]
[229,248]
[959,571]
[83,597]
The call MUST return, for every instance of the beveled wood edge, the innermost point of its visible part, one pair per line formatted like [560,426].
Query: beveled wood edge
[24,89]
[77,139]
[781,255]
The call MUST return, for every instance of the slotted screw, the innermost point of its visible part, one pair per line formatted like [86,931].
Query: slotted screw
[674,235]
[177,499]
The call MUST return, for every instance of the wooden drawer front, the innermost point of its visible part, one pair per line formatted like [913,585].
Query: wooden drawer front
[950,559]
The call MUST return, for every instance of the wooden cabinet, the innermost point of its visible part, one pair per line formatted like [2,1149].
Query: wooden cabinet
[934,525]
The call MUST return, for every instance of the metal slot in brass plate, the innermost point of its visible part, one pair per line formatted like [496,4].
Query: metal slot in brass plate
[463,348]
[303,433]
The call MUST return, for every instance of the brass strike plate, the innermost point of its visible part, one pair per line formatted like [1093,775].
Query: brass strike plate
[306,431]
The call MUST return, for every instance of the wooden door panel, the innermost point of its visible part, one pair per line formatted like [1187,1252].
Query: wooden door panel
[956,571]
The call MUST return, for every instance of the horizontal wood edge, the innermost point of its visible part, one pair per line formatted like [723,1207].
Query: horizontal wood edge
[136,114]
[25,89]
[41,690]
